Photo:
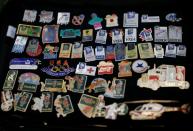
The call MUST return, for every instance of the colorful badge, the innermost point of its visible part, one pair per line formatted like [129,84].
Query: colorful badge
[46,16]
[117,36]
[100,53]
[87,35]
[82,68]
[50,52]
[146,35]
[29,30]
[160,34]
[63,18]
[6,100]
[78,20]
[110,54]
[100,110]
[70,33]
[105,67]
[175,33]
[34,48]
[29,15]
[50,34]
[149,19]
[181,50]
[119,52]
[172,17]
[145,50]
[101,37]
[111,20]
[130,19]
[131,51]
[158,51]
[10,80]
[139,66]
[95,21]
[124,69]
[170,50]
[19,45]
[77,49]
[65,50]
[130,35]
[89,54]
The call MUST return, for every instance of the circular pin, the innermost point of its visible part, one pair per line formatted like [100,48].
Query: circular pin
[139,66]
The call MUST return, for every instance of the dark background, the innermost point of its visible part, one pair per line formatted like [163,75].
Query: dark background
[12,14]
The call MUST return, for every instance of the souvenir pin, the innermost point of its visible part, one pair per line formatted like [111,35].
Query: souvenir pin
[6,100]
[87,105]
[58,69]
[29,15]
[149,19]
[164,76]
[87,35]
[89,54]
[145,50]
[46,16]
[98,85]
[146,35]
[77,49]
[175,33]
[119,52]
[10,80]
[50,34]
[77,83]
[70,33]
[19,45]
[117,36]
[122,109]
[95,21]
[11,32]
[160,34]
[24,63]
[34,48]
[90,70]
[101,37]
[63,105]
[139,66]
[111,111]
[117,89]
[170,50]
[50,52]
[23,101]
[110,53]
[131,51]
[100,53]
[158,51]
[78,20]
[29,30]
[124,69]
[100,110]
[63,18]
[172,17]
[105,67]
[130,19]
[130,35]
[181,50]
[111,20]
[82,68]
[38,104]
[65,50]
[28,82]
[54,85]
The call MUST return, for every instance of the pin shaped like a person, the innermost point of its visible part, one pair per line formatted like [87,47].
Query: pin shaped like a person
[95,21]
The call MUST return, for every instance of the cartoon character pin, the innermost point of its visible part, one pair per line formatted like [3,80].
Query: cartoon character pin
[50,52]
[78,20]
[6,100]
[95,21]
[124,69]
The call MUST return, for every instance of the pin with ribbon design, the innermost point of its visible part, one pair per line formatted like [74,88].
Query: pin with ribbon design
[78,20]
[95,21]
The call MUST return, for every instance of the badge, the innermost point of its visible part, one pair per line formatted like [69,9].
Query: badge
[172,17]
[117,89]
[46,16]
[111,111]
[98,85]
[10,80]
[105,67]
[38,104]
[82,68]
[70,33]
[28,82]
[54,85]
[24,63]
[119,52]
[110,52]
[50,34]
[158,51]
[170,50]
[117,36]
[100,110]
[160,34]
[34,48]
[149,19]
[89,54]
[145,50]
[29,30]
[130,35]
[77,49]
[95,21]
[78,20]
[58,69]
[87,35]
[181,50]
[111,20]
[146,35]
[19,45]
[6,100]
[23,101]
[50,52]
[87,105]
[65,50]
[11,32]
[124,69]
[100,53]
[63,105]
[77,83]
[101,37]
[175,33]
[130,19]
[29,15]
[63,18]
[139,66]
[131,51]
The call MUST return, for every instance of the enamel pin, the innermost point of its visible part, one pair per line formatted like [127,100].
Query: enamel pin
[131,51]
[149,19]
[100,53]
[11,31]
[145,50]
[130,19]
[34,48]
[89,54]
[63,105]
[160,34]
[77,49]
[46,16]
[130,35]
[84,69]
[19,45]
[124,69]
[50,34]
[10,80]
[95,21]
[101,37]
[146,35]
[158,51]
[139,66]
[172,17]
[87,35]
[110,53]
[29,15]
[54,85]
[63,18]
[175,33]
[181,50]
[65,50]
[70,33]
[111,20]
[78,20]
[117,36]
[6,100]
[170,50]
[119,52]
[50,52]
[58,69]
[29,30]
[100,110]
[105,67]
